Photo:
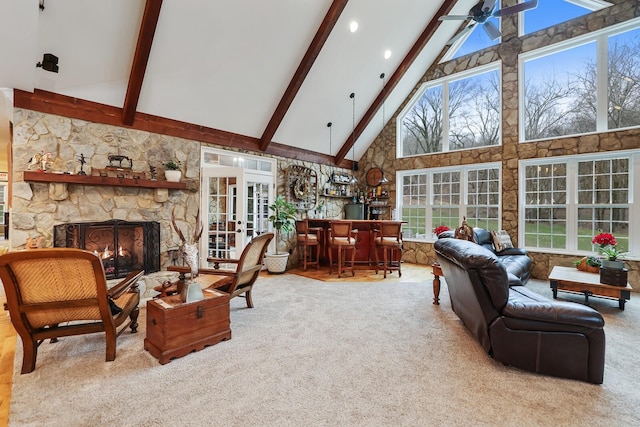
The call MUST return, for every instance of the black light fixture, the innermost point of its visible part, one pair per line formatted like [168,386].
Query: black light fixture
[330,153]
[354,180]
[384,179]
[49,63]
[41,5]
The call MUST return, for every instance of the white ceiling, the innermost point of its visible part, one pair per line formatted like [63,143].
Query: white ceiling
[226,64]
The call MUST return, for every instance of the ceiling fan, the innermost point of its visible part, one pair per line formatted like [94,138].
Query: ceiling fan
[480,14]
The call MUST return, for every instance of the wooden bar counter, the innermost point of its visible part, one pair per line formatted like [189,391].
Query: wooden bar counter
[365,246]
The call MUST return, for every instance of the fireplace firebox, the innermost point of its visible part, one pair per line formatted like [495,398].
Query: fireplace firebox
[123,246]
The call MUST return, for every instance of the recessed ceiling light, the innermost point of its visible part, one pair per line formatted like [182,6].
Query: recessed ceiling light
[353,26]
[387,54]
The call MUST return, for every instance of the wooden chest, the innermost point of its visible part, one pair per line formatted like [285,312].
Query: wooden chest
[175,329]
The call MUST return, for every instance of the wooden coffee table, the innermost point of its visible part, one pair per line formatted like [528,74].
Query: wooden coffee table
[568,279]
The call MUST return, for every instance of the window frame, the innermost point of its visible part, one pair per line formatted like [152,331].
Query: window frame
[572,205]
[444,82]
[463,204]
[600,37]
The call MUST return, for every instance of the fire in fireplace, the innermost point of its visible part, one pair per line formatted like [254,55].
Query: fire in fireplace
[123,246]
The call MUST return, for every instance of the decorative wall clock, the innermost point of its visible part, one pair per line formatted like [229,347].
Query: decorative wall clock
[374,175]
[302,185]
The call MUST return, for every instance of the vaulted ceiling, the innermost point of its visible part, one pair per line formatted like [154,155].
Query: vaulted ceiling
[249,73]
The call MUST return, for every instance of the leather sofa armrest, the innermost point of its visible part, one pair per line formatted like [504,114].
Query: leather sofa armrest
[512,251]
[524,304]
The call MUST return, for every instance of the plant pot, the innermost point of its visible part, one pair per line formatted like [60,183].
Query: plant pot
[613,265]
[276,263]
[172,175]
[583,266]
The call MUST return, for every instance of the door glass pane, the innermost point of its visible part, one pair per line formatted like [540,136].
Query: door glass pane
[218,218]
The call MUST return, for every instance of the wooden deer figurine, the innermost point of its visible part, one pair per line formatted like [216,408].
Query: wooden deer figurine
[189,250]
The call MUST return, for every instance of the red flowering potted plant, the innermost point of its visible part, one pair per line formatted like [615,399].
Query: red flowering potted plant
[607,246]
[440,229]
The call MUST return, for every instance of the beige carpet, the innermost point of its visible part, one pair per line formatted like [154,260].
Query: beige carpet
[315,353]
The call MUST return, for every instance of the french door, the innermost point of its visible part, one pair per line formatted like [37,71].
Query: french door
[236,202]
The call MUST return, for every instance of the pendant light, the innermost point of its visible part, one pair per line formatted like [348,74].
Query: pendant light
[332,178]
[384,179]
[354,180]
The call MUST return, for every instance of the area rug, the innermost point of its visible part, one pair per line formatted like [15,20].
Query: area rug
[315,354]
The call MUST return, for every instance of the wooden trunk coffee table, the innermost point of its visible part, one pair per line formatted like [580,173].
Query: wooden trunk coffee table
[175,329]
[570,279]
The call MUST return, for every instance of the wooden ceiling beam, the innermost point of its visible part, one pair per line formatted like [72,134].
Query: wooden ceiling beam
[411,56]
[309,58]
[62,105]
[140,59]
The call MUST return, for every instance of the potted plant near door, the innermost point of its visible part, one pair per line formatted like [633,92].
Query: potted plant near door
[172,170]
[283,220]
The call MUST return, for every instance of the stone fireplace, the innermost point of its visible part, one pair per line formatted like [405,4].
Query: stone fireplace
[123,246]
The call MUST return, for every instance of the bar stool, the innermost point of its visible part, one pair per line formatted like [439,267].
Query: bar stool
[342,238]
[308,238]
[389,239]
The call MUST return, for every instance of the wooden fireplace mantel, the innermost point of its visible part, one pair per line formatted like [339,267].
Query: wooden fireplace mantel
[49,177]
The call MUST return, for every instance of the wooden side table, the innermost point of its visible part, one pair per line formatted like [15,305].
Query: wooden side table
[437,272]
[175,329]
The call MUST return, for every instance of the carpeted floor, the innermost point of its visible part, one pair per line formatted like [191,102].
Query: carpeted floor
[314,353]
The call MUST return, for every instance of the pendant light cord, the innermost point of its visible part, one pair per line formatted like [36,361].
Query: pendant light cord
[353,137]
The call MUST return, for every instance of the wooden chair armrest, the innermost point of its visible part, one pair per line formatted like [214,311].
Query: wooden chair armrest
[184,269]
[123,286]
[179,268]
[223,260]
[228,273]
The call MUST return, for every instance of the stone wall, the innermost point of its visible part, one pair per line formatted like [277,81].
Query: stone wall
[37,207]
[384,147]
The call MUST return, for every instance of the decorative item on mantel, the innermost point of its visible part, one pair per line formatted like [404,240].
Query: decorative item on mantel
[172,171]
[83,161]
[41,161]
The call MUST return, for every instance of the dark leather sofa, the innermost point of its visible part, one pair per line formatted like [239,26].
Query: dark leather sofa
[515,260]
[515,325]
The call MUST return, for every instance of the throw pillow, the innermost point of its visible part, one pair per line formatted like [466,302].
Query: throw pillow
[501,240]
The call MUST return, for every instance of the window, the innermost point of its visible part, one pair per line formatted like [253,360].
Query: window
[568,200]
[458,112]
[591,84]
[548,14]
[442,196]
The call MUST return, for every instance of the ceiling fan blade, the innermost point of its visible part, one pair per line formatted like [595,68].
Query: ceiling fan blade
[460,34]
[510,10]
[492,31]
[454,18]
[489,4]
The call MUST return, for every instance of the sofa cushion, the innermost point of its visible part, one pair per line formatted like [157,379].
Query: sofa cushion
[518,265]
[526,304]
[501,240]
